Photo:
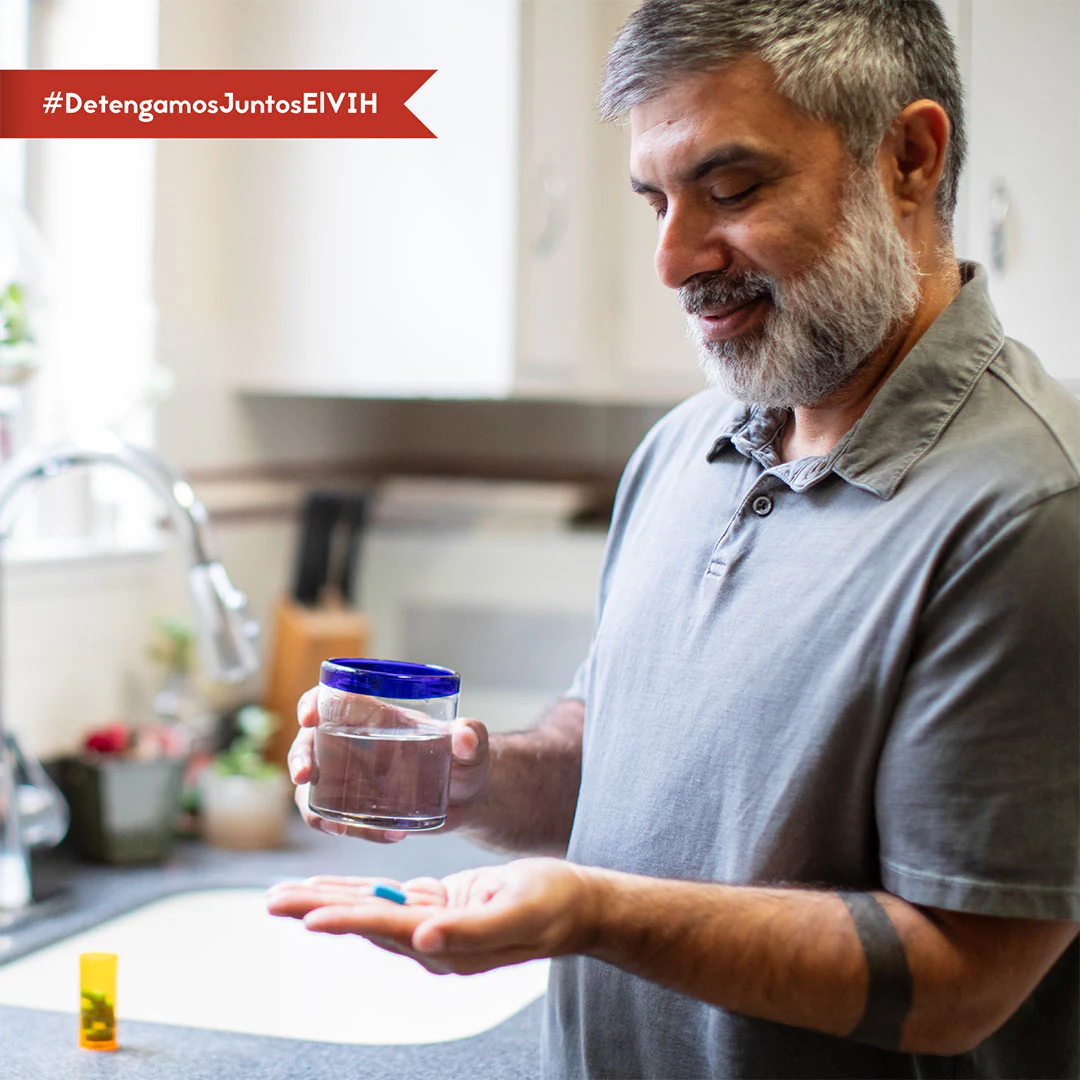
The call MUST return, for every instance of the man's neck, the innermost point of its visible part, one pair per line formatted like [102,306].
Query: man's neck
[815,429]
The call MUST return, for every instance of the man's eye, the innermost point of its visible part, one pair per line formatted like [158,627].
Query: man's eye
[738,197]
[659,209]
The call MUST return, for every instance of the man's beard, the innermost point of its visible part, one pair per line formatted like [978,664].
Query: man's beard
[822,325]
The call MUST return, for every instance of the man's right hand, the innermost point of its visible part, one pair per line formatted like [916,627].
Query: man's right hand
[468,772]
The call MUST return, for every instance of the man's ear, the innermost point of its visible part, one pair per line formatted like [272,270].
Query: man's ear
[912,156]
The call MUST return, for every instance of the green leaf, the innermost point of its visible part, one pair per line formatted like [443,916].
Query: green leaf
[13,322]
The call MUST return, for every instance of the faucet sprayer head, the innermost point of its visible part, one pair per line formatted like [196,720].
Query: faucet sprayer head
[228,636]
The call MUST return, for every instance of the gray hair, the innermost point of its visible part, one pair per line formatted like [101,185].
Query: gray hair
[853,63]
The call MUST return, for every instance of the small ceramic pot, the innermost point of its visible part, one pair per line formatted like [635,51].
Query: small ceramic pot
[243,812]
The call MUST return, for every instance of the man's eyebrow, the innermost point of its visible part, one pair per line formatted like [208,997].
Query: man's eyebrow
[735,154]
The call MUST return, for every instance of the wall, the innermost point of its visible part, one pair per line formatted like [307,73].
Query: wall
[74,645]
[1024,89]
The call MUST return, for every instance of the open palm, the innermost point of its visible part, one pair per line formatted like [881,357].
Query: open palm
[471,921]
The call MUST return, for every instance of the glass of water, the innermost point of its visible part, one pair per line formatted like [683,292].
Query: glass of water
[382,747]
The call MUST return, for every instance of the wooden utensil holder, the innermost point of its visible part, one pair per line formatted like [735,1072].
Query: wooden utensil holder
[302,638]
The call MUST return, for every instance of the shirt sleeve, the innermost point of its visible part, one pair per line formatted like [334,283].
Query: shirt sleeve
[977,789]
[579,685]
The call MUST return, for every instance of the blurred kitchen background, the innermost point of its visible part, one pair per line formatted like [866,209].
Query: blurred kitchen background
[465,332]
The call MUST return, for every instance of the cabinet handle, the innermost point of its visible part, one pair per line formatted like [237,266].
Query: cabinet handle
[554,185]
[1000,204]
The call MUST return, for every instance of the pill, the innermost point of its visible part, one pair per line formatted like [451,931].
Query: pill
[388,892]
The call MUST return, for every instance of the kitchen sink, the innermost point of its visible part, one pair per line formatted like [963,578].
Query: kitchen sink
[214,958]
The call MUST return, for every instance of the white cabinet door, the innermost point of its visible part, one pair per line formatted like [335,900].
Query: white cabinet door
[561,342]
[1024,90]
[382,267]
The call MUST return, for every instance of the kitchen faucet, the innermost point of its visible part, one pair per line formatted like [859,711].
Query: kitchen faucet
[227,635]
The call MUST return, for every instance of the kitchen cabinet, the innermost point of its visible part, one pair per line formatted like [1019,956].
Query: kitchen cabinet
[494,261]
[380,267]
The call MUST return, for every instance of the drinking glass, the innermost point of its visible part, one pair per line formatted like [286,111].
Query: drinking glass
[382,747]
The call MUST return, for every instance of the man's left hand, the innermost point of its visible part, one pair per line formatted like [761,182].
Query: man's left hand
[468,922]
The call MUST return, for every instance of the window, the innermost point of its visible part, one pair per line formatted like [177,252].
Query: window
[17,248]
[92,201]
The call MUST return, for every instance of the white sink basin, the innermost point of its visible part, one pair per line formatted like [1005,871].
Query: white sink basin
[216,959]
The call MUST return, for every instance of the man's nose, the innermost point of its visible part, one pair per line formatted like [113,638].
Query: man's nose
[687,245]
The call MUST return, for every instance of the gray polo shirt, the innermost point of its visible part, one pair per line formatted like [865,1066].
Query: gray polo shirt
[855,671]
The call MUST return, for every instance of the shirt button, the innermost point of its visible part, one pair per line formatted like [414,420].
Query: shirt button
[762,506]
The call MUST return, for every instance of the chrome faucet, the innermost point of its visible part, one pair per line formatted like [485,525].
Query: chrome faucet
[227,635]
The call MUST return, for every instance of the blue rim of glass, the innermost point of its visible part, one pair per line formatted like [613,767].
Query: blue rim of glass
[397,679]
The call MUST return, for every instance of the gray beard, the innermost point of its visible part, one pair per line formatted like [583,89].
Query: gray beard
[823,325]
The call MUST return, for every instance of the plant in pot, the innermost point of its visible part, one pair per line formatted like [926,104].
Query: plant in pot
[23,317]
[177,701]
[123,788]
[18,356]
[244,799]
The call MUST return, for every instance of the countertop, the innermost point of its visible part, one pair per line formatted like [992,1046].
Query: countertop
[40,1045]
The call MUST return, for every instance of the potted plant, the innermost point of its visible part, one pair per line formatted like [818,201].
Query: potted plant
[244,799]
[18,359]
[124,792]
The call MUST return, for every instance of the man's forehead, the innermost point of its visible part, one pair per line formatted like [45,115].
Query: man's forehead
[730,114]
[745,83]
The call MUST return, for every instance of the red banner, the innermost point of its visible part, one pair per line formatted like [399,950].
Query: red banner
[215,104]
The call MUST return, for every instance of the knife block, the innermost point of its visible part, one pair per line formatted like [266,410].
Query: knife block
[303,637]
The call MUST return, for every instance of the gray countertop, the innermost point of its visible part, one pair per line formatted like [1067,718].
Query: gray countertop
[40,1045]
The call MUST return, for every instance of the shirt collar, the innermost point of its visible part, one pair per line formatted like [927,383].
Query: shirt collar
[908,413]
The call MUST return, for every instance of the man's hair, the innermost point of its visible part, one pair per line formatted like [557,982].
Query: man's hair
[853,63]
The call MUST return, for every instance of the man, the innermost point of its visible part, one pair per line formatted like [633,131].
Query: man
[817,781]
